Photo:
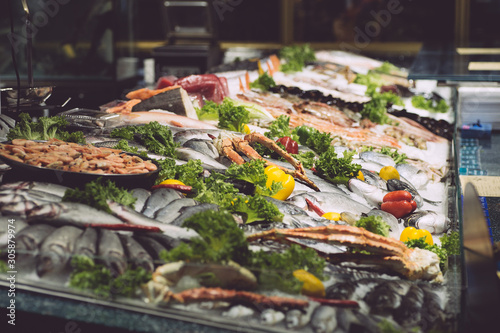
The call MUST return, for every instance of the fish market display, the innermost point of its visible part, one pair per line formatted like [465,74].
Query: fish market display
[298,197]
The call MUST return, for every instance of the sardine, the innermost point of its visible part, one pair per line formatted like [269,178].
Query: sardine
[56,249]
[130,216]
[376,157]
[187,212]
[30,238]
[111,252]
[414,175]
[324,319]
[435,223]
[86,244]
[69,213]
[165,240]
[159,199]
[187,154]
[329,202]
[136,254]
[396,226]
[271,317]
[172,210]
[397,185]
[205,147]
[372,194]
[142,196]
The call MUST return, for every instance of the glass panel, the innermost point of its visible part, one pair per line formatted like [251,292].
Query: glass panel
[70,39]
[359,22]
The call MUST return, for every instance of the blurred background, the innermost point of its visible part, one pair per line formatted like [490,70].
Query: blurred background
[93,50]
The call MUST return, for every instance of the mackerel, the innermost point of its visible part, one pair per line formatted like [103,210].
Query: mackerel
[142,196]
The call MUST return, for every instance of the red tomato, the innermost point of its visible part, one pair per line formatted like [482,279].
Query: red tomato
[397,208]
[413,205]
[291,146]
[397,196]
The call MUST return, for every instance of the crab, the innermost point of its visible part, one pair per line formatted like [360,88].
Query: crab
[393,254]
[230,144]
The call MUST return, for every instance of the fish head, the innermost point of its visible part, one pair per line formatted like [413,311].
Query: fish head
[46,262]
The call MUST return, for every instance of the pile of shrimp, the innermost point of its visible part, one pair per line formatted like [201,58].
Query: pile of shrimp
[68,156]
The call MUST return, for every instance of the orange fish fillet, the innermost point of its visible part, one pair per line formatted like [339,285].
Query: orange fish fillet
[146,93]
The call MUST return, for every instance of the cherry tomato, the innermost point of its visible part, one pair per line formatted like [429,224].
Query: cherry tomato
[291,146]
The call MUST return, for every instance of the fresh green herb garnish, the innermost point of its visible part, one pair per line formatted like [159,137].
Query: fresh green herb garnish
[87,275]
[374,224]
[429,104]
[232,117]
[275,270]
[255,208]
[44,129]
[167,169]
[209,111]
[155,137]
[96,192]
[220,240]
[387,68]
[253,172]
[263,82]
[306,158]
[3,267]
[124,145]
[279,128]
[296,57]
[451,243]
[396,156]
[334,169]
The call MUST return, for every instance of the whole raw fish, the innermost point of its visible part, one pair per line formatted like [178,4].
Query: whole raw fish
[136,254]
[69,213]
[142,196]
[86,244]
[164,118]
[56,249]
[329,202]
[130,216]
[30,238]
[159,199]
[111,252]
[173,210]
